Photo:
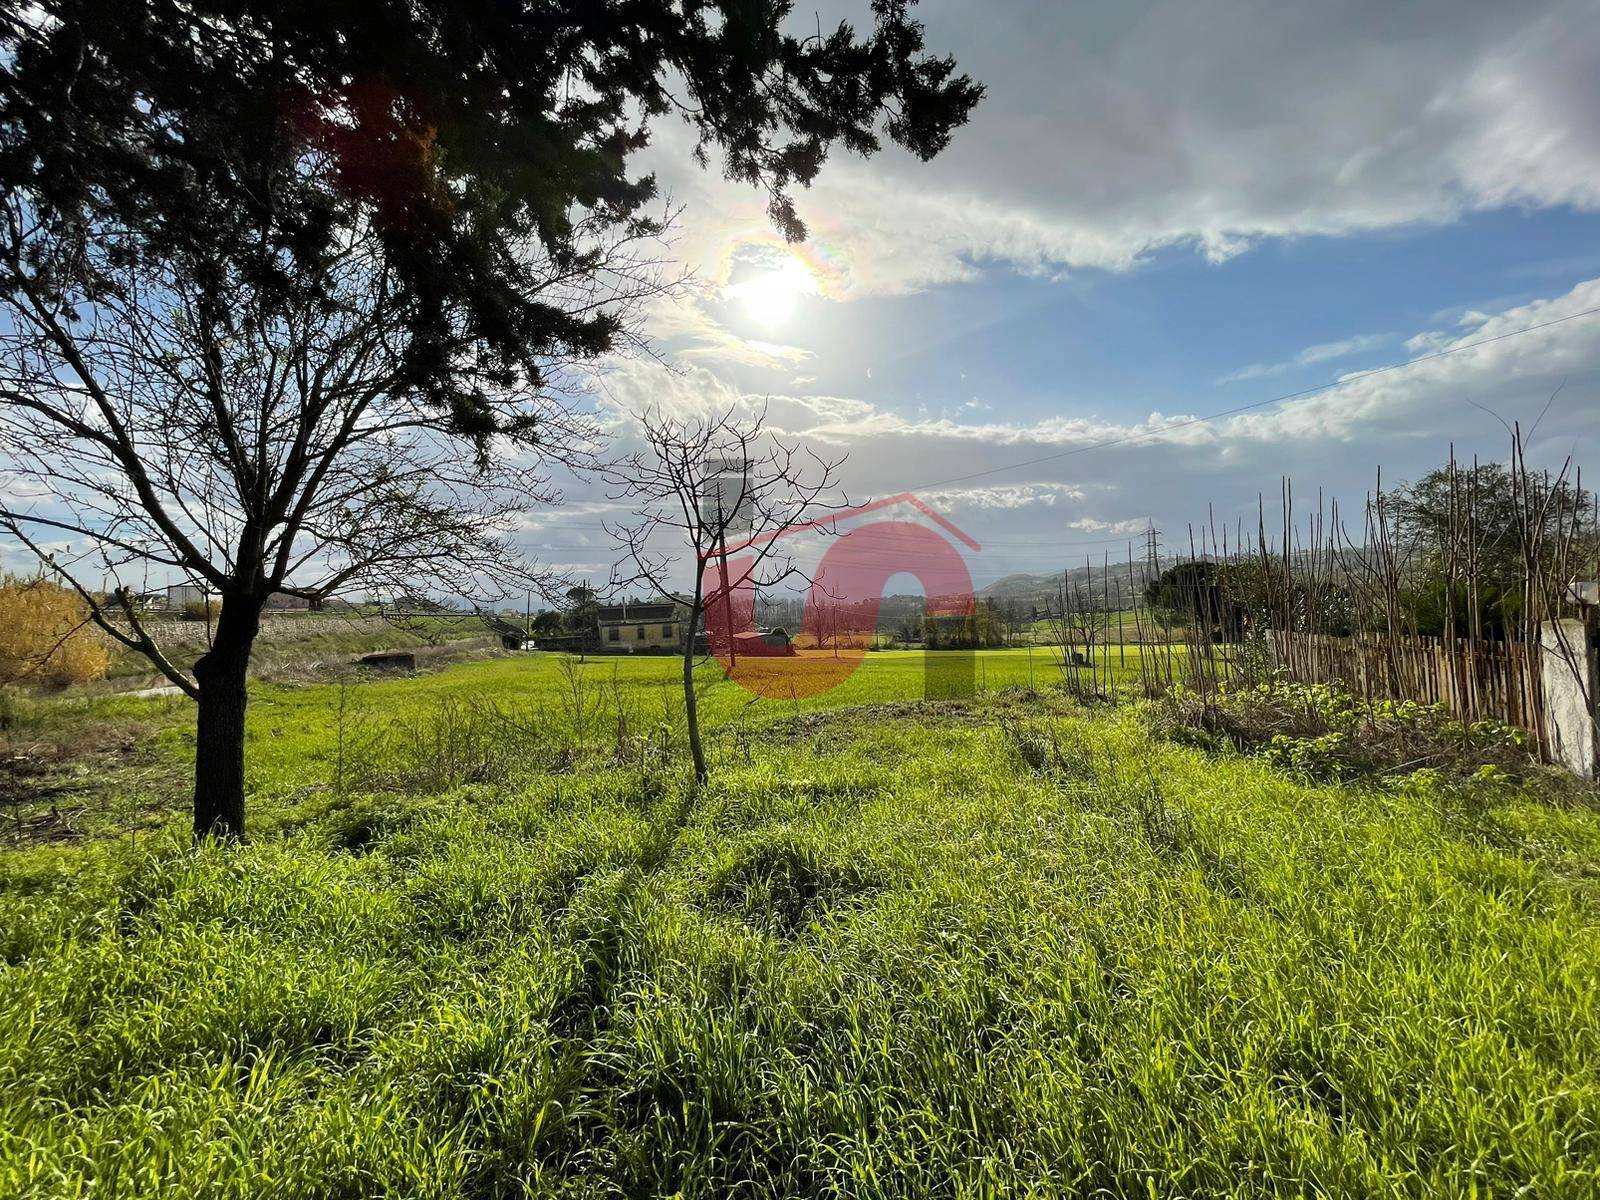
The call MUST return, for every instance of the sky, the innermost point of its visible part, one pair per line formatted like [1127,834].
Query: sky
[1182,251]
[1159,212]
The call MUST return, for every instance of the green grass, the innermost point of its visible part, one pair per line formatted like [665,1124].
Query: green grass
[881,955]
[1122,625]
[294,730]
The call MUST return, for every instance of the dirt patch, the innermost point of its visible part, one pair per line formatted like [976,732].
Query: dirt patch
[57,785]
[31,799]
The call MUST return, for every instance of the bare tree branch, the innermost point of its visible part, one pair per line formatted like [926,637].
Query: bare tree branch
[688,524]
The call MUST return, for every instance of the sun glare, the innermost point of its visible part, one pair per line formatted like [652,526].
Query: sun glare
[769,295]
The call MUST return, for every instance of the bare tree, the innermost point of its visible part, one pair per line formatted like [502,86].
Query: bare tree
[691,524]
[285,289]
[255,440]
[832,621]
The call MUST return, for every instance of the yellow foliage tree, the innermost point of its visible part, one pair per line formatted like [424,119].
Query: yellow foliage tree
[45,635]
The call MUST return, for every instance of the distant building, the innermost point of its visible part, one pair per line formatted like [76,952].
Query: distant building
[651,625]
[179,594]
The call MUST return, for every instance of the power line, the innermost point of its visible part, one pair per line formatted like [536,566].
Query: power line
[1229,412]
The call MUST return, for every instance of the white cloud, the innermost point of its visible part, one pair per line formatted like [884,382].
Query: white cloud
[1111,131]
[1512,376]
[719,345]
[1095,525]
[1098,471]
[1423,395]
[1310,356]
[1003,496]
[686,323]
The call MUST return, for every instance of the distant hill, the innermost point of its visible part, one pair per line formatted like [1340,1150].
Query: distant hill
[1036,589]
[1015,589]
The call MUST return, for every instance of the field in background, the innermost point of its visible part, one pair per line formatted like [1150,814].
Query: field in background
[297,644]
[302,655]
[486,942]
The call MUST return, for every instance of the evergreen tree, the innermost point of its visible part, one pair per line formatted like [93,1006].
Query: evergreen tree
[285,284]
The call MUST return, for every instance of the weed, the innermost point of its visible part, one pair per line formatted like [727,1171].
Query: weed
[1318,731]
[1041,748]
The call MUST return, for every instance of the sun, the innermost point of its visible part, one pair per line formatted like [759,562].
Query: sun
[770,294]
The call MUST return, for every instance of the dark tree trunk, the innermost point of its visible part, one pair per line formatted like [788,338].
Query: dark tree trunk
[219,727]
[691,713]
[691,709]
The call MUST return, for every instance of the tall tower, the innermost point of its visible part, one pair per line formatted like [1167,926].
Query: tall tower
[726,503]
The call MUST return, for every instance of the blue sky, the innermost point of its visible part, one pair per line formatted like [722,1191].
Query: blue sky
[1162,211]
[1171,332]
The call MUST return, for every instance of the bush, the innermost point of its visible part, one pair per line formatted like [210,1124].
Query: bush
[45,635]
[201,610]
[1319,731]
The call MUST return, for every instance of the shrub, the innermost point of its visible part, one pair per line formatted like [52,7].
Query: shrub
[45,635]
[1319,758]
[201,610]
[1322,732]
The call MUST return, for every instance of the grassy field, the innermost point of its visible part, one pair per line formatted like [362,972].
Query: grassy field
[487,942]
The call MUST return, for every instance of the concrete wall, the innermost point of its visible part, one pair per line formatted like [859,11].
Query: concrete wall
[1570,677]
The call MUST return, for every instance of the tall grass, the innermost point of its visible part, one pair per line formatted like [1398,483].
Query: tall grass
[1006,948]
